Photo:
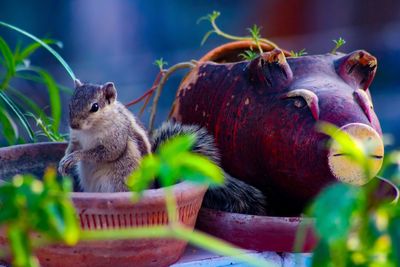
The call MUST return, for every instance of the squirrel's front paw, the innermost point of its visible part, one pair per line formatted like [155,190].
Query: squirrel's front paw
[67,162]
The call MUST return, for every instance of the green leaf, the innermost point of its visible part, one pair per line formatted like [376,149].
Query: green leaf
[54,96]
[30,49]
[334,209]
[18,113]
[8,60]
[51,50]
[19,242]
[321,255]
[27,102]
[10,129]
[248,55]
[35,78]
[141,178]
[394,231]
[177,145]
[347,144]
[200,169]
[160,63]
[338,43]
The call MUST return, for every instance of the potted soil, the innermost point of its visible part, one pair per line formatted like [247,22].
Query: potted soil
[107,211]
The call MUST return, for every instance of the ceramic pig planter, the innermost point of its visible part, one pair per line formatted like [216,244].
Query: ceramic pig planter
[263,115]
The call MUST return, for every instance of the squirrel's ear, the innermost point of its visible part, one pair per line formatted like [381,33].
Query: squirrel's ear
[110,92]
[78,83]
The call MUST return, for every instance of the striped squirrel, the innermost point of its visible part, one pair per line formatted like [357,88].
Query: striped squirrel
[107,143]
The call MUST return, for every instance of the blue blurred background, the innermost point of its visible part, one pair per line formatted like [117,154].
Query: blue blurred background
[119,40]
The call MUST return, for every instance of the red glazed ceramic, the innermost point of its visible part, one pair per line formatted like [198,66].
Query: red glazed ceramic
[264,233]
[263,114]
[107,211]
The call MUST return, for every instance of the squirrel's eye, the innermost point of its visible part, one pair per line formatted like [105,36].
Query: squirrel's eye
[95,107]
[299,102]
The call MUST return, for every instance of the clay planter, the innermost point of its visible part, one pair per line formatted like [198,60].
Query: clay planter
[265,233]
[263,115]
[107,211]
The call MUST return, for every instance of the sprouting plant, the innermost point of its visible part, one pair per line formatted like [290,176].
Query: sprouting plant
[28,205]
[248,55]
[338,43]
[46,130]
[254,31]
[302,52]
[14,105]
[256,36]
[160,63]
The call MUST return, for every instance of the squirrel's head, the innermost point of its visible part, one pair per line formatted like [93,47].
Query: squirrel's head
[89,104]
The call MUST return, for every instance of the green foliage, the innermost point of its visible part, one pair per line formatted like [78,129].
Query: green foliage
[256,36]
[160,63]
[28,205]
[172,162]
[14,105]
[302,52]
[249,55]
[338,43]
[45,45]
[354,228]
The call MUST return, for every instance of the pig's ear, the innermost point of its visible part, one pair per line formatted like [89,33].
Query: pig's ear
[357,69]
[272,69]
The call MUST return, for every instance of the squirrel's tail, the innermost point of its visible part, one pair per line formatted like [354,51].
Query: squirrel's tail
[234,195]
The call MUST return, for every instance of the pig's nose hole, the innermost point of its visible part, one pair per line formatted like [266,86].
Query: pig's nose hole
[346,169]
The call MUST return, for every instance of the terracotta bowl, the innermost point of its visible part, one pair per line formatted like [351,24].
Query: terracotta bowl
[264,233]
[107,211]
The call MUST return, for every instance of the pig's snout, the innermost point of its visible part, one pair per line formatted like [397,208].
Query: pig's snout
[345,168]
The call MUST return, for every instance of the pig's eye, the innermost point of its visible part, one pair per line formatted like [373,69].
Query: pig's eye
[299,102]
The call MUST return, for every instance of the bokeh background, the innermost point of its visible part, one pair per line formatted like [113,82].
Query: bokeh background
[119,40]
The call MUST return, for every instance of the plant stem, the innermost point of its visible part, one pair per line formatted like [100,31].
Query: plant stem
[178,231]
[160,86]
[219,32]
[215,245]
[123,234]
[171,205]
[148,92]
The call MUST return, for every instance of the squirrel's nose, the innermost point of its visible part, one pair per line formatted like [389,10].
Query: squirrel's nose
[74,125]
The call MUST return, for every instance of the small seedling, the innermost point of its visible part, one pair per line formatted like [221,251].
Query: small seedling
[302,52]
[338,44]
[248,55]
[256,36]
[160,63]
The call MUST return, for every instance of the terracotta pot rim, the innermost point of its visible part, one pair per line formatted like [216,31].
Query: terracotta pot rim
[148,193]
[236,45]
[157,193]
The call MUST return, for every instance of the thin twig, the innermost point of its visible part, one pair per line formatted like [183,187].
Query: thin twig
[164,79]
[219,32]
[150,91]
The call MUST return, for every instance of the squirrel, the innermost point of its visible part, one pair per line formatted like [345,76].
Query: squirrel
[107,143]
[106,140]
